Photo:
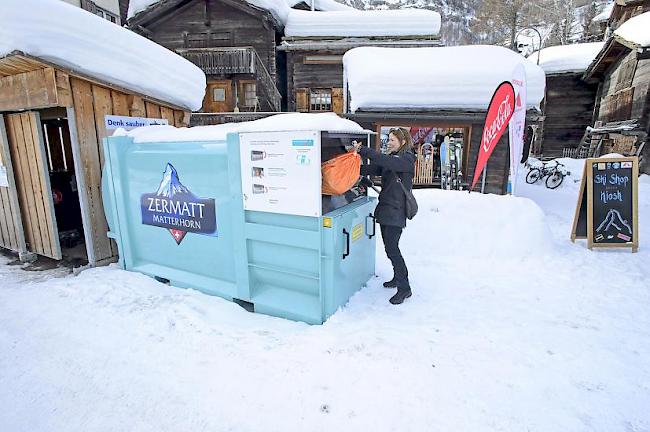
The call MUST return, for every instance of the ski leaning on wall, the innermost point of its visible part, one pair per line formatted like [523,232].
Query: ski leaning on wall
[607,209]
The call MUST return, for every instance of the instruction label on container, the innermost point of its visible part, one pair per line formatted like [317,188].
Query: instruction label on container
[4,180]
[280,172]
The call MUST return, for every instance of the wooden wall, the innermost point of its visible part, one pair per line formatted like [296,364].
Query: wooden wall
[617,81]
[568,110]
[217,23]
[12,236]
[301,76]
[91,103]
[32,183]
[498,166]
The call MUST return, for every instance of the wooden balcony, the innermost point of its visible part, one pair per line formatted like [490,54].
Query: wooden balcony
[236,60]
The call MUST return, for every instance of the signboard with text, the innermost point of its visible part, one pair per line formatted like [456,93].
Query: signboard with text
[113,122]
[281,172]
[607,210]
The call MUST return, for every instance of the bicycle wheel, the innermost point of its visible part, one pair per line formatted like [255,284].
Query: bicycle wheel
[554,180]
[533,176]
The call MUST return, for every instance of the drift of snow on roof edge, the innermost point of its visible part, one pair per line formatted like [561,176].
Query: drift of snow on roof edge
[401,22]
[73,38]
[567,58]
[446,78]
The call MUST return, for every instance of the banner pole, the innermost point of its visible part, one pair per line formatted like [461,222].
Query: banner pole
[483,179]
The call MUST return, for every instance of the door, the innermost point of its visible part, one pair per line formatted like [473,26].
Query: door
[32,179]
[12,236]
[218,97]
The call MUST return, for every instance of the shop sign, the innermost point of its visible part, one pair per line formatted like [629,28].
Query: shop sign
[112,122]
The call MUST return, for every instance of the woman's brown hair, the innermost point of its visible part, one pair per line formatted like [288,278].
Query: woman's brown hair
[404,138]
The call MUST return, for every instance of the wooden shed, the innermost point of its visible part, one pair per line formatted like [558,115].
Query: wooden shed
[314,53]
[51,129]
[232,41]
[622,72]
[568,105]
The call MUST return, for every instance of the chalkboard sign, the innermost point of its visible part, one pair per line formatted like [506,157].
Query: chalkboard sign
[607,212]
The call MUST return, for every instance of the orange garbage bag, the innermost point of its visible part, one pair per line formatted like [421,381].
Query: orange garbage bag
[340,173]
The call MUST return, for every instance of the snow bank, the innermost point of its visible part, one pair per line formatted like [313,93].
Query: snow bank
[516,230]
[278,8]
[567,58]
[405,22]
[462,77]
[73,38]
[279,122]
[635,31]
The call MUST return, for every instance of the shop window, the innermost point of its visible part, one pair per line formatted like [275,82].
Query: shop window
[320,100]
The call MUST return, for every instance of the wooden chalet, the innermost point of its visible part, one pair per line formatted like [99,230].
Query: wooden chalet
[232,41]
[314,65]
[622,72]
[51,131]
[568,105]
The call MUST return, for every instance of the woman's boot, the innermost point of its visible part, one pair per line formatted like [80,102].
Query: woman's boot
[402,294]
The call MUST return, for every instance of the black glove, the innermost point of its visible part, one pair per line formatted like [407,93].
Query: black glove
[366,182]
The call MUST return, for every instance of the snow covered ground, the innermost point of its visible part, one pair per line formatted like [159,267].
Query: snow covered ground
[511,327]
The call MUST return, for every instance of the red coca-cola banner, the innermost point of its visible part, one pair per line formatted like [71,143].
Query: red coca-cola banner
[500,110]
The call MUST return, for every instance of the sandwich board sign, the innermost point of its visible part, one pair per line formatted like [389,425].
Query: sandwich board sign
[607,209]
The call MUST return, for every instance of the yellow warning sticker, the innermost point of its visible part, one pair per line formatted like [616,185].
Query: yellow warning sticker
[357,232]
[327,222]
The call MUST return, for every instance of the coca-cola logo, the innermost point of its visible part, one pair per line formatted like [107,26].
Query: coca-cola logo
[499,113]
[494,131]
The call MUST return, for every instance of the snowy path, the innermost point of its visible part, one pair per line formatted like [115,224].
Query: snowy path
[511,328]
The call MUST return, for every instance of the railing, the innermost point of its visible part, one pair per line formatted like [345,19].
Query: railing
[267,84]
[236,60]
[221,61]
[206,119]
[575,153]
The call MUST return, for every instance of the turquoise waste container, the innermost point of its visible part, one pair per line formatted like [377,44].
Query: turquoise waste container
[243,219]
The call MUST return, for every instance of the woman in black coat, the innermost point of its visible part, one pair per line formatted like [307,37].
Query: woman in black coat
[391,210]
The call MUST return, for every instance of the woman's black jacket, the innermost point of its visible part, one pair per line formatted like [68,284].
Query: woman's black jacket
[391,209]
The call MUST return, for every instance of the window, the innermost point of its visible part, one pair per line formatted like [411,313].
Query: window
[218,94]
[250,95]
[323,59]
[320,100]
[91,7]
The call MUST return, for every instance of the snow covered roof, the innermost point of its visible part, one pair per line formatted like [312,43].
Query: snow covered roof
[635,32]
[567,58]
[279,122]
[278,8]
[73,38]
[462,77]
[605,13]
[355,23]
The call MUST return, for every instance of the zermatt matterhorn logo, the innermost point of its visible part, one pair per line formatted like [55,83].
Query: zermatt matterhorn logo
[174,207]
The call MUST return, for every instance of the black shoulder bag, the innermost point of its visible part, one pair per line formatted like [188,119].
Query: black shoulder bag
[411,203]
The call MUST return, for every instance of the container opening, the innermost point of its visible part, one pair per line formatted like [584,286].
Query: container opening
[162,280]
[250,307]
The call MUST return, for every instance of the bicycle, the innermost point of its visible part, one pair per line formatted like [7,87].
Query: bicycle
[554,174]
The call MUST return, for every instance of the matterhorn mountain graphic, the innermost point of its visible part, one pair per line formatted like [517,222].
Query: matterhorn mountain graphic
[614,224]
[170,184]
[178,210]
